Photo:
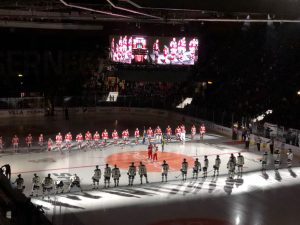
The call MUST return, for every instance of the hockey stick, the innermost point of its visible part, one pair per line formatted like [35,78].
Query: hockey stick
[178,176]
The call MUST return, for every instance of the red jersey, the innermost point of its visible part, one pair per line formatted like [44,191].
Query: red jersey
[150,132]
[15,140]
[68,137]
[58,138]
[79,137]
[177,130]
[88,136]
[28,139]
[115,135]
[49,143]
[136,133]
[41,138]
[104,135]
[169,130]
[157,131]
[125,133]
[96,137]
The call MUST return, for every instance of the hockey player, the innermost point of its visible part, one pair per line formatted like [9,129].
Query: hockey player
[168,133]
[28,141]
[164,171]
[202,131]
[59,186]
[88,138]
[41,140]
[149,134]
[217,165]
[47,185]
[79,140]
[205,167]
[264,161]
[184,169]
[36,184]
[290,158]
[182,133]
[192,48]
[96,177]
[178,133]
[125,136]
[96,138]
[240,164]
[193,132]
[115,136]
[49,144]
[155,153]
[136,135]
[6,171]
[196,168]
[131,174]
[150,149]
[277,155]
[143,172]
[156,50]
[58,139]
[231,168]
[68,140]
[163,143]
[74,181]
[104,136]
[157,133]
[19,183]
[116,174]
[15,143]
[107,175]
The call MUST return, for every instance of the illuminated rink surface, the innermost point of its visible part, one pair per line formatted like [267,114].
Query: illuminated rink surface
[254,199]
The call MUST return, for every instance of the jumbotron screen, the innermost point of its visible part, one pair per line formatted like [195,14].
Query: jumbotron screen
[154,50]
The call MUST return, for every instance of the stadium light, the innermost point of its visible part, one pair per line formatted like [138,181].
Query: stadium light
[298,93]
[209,82]
[20,75]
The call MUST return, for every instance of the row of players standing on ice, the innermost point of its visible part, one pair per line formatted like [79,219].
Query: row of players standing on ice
[48,184]
[94,140]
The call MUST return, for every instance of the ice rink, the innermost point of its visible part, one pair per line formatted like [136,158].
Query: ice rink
[256,198]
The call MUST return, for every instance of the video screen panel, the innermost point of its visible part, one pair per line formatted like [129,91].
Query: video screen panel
[154,50]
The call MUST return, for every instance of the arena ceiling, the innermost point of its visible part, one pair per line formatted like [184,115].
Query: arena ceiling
[92,13]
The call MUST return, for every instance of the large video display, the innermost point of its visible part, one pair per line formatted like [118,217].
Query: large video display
[154,50]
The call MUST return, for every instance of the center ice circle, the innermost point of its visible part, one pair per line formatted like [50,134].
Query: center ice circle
[124,159]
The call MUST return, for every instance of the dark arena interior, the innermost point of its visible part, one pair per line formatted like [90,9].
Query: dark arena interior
[117,112]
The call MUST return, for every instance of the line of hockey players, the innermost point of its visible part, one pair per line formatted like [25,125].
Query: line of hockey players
[95,140]
[276,159]
[234,165]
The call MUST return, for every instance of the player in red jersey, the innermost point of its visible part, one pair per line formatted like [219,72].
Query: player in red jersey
[28,141]
[96,139]
[158,133]
[150,147]
[49,144]
[178,133]
[68,140]
[149,134]
[155,153]
[15,143]
[88,138]
[168,133]
[125,136]
[41,140]
[115,136]
[104,136]
[58,140]
[79,140]
[137,135]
